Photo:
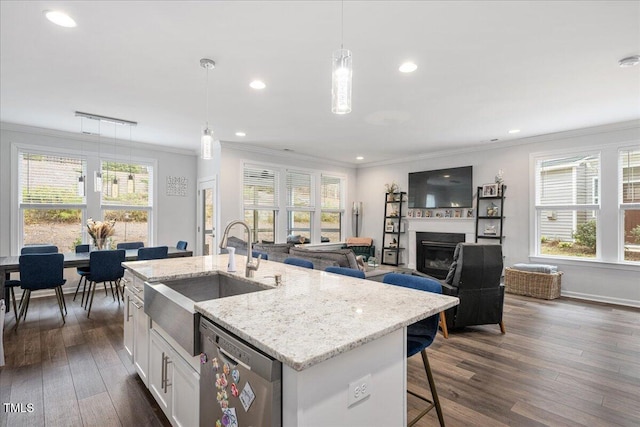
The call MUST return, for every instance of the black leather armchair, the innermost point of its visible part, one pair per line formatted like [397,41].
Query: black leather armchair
[474,277]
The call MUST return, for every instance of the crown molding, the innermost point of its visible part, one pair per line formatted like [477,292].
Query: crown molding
[283,154]
[574,133]
[32,130]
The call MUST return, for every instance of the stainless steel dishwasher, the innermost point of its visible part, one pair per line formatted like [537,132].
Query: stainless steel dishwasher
[240,386]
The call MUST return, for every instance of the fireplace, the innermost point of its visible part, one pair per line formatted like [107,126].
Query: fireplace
[434,252]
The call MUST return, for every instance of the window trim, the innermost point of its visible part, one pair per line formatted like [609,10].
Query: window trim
[622,206]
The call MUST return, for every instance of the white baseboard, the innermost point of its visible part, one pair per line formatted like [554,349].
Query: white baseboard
[600,298]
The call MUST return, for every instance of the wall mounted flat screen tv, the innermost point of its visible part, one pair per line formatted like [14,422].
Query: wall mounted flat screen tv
[443,188]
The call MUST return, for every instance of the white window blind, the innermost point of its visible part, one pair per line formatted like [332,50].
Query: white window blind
[630,176]
[135,194]
[260,188]
[49,179]
[299,190]
[331,192]
[568,181]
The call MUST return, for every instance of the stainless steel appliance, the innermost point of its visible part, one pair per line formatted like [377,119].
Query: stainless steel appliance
[240,386]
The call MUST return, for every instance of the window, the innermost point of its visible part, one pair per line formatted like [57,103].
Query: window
[331,208]
[629,195]
[51,209]
[300,205]
[567,205]
[260,200]
[126,197]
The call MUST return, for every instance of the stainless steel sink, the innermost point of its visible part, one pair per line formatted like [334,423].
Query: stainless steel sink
[170,303]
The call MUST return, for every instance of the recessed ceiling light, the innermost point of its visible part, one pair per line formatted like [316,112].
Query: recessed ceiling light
[60,18]
[408,67]
[241,134]
[514,131]
[359,158]
[257,84]
[446,176]
[629,61]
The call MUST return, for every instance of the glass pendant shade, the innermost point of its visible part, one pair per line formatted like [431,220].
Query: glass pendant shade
[341,79]
[130,184]
[97,181]
[207,143]
[81,186]
[115,189]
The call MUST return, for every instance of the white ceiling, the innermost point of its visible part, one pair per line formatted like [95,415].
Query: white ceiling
[484,68]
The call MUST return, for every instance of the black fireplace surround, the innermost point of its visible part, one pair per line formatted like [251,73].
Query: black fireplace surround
[434,252]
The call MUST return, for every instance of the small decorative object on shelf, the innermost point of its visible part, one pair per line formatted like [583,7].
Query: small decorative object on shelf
[490,230]
[493,210]
[489,190]
[469,213]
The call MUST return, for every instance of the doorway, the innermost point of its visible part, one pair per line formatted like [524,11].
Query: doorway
[207,240]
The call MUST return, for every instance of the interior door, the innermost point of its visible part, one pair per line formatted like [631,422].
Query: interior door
[207,240]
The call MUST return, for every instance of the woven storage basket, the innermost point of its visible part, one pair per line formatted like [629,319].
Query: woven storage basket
[537,285]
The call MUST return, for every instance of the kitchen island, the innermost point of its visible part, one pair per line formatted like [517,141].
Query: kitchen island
[329,331]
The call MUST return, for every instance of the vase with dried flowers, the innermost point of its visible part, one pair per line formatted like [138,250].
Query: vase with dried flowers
[101,232]
[390,189]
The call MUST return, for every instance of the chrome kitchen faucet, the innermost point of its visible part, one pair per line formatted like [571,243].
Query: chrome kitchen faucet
[252,266]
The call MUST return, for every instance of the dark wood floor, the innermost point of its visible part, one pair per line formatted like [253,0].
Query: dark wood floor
[561,363]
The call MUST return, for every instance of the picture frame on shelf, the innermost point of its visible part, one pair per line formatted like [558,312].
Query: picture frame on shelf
[447,213]
[457,213]
[469,213]
[490,190]
[389,228]
[410,213]
[417,213]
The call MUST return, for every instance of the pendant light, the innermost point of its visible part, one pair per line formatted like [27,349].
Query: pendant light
[81,187]
[341,76]
[131,186]
[206,140]
[97,174]
[115,190]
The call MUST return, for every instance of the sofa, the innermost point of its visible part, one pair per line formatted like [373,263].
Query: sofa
[321,259]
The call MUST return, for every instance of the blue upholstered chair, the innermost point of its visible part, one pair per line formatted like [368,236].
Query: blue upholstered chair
[262,255]
[41,271]
[420,335]
[105,266]
[182,245]
[130,245]
[346,271]
[10,285]
[82,271]
[39,249]
[155,252]
[299,262]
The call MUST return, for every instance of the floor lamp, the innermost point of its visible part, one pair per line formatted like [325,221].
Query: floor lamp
[357,211]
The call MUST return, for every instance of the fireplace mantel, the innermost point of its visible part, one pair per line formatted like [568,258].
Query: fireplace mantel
[443,225]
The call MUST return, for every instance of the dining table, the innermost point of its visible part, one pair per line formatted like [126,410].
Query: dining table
[10,264]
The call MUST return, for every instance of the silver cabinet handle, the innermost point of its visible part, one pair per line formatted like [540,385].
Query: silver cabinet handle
[165,364]
[163,374]
[138,306]
[128,307]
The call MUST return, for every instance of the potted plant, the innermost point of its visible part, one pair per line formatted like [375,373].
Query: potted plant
[390,189]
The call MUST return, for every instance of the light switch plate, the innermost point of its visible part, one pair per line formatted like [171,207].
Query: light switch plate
[359,390]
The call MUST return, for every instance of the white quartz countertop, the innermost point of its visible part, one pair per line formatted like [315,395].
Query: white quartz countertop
[311,317]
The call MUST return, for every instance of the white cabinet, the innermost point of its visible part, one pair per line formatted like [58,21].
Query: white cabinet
[173,383]
[136,326]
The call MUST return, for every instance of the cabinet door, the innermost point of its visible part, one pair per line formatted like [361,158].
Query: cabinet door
[141,340]
[128,322]
[160,372]
[186,394]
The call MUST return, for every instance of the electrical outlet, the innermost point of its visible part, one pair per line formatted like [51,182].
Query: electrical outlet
[359,390]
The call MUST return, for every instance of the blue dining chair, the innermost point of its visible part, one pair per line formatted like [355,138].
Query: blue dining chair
[181,245]
[41,271]
[130,245]
[346,271]
[10,285]
[299,262]
[263,255]
[155,252]
[420,335]
[105,266]
[82,271]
